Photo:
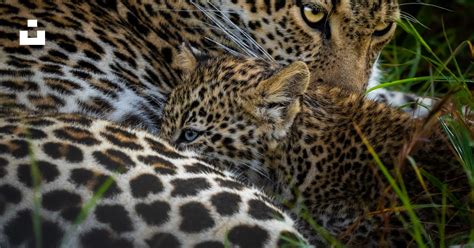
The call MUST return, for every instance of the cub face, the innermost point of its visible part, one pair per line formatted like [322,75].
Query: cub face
[231,110]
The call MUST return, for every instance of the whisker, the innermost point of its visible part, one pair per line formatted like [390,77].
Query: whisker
[408,18]
[412,19]
[233,32]
[223,29]
[428,5]
[193,10]
[228,49]
[247,36]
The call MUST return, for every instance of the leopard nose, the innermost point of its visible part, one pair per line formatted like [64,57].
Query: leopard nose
[349,77]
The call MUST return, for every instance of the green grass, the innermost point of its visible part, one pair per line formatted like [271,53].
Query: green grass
[460,138]
[436,61]
[443,75]
[434,58]
[417,228]
[87,207]
[36,182]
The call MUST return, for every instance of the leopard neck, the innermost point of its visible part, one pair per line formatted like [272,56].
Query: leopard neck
[284,166]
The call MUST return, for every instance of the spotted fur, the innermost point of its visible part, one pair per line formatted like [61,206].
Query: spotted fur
[306,146]
[154,195]
[117,60]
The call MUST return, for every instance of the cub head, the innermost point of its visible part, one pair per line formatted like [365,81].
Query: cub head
[230,109]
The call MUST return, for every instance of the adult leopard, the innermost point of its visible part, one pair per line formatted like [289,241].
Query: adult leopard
[117,60]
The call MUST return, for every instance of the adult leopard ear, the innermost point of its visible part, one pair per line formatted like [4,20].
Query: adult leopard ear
[277,100]
[189,58]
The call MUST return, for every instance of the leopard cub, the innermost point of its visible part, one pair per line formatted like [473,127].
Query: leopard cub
[259,120]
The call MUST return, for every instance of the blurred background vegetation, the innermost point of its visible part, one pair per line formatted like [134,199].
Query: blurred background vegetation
[445,28]
[432,54]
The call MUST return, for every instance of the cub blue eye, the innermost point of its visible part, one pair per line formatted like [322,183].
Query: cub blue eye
[189,135]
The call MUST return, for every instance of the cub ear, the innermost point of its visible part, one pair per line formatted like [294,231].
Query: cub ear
[276,100]
[189,58]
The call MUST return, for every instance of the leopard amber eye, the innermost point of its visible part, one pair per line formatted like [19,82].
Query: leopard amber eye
[312,14]
[382,29]
[188,135]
